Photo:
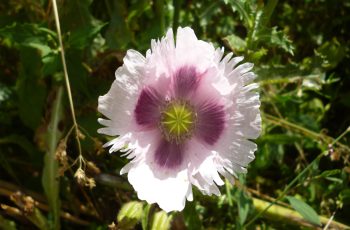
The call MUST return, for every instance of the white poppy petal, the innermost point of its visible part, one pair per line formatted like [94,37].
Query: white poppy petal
[170,193]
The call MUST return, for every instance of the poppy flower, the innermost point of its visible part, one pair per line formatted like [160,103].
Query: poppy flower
[184,115]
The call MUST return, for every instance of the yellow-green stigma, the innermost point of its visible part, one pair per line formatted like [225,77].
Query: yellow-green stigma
[177,121]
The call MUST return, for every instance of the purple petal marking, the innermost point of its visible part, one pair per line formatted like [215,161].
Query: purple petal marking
[210,122]
[169,154]
[147,110]
[186,81]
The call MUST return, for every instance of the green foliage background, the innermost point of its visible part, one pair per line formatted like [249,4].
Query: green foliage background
[301,54]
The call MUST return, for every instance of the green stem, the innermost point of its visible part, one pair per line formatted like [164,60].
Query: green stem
[326,139]
[287,215]
[159,8]
[341,136]
[177,7]
[294,126]
[285,191]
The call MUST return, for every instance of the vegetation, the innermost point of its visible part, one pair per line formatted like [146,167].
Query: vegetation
[54,172]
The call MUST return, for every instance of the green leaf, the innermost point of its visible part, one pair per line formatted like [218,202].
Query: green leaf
[130,214]
[268,10]
[30,35]
[330,53]
[75,14]
[6,166]
[51,63]
[257,55]
[328,173]
[278,138]
[344,196]
[274,37]
[118,34]
[22,142]
[7,224]
[243,10]
[305,210]
[38,219]
[335,179]
[191,216]
[31,89]
[81,37]
[145,216]
[26,36]
[161,221]
[243,206]
[235,43]
[50,177]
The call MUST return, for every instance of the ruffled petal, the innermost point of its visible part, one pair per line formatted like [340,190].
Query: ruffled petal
[169,193]
[161,58]
[243,123]
[193,52]
[202,169]
[119,103]
[246,119]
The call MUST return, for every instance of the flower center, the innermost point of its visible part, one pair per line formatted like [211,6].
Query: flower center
[177,121]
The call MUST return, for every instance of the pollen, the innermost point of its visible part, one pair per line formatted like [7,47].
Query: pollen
[177,121]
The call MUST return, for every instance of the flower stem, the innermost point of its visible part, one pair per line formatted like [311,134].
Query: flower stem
[66,78]
[322,137]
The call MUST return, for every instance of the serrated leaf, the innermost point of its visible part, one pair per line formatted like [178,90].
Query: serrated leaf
[243,10]
[256,56]
[274,37]
[330,53]
[235,43]
[28,35]
[161,221]
[305,210]
[130,214]
[50,177]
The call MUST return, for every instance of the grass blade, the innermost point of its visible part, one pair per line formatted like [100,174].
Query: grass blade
[50,178]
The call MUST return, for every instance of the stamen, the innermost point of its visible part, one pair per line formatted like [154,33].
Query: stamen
[177,121]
